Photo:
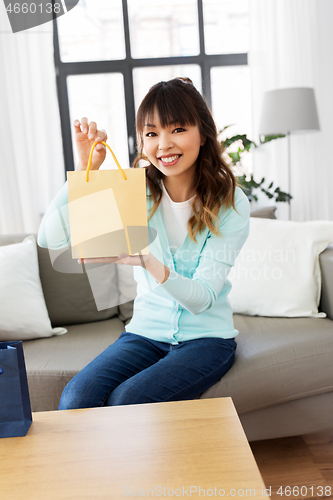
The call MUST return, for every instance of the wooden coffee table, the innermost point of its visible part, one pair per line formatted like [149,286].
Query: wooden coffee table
[191,449]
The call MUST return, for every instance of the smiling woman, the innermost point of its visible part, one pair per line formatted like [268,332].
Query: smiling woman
[181,338]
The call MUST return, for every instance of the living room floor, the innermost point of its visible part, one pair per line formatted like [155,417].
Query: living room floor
[297,461]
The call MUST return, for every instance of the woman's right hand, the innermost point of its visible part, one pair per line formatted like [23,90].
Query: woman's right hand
[85,135]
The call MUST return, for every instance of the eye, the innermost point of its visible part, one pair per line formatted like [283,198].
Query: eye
[150,134]
[179,129]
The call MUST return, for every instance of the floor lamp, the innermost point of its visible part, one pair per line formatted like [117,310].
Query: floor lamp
[289,110]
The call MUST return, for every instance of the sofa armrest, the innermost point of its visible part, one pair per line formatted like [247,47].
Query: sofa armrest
[326,266]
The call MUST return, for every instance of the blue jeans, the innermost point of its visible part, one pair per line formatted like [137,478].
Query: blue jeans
[136,369]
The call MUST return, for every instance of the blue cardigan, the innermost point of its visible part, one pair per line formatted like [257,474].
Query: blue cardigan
[193,302]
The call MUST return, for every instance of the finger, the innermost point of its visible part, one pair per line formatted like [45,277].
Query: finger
[92,130]
[77,127]
[84,125]
[101,136]
[99,148]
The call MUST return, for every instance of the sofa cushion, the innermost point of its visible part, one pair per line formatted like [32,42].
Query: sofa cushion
[69,286]
[23,310]
[277,271]
[51,365]
[277,360]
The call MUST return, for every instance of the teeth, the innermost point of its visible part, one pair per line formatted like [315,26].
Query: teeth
[169,159]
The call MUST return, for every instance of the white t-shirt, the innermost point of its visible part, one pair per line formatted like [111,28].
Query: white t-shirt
[175,217]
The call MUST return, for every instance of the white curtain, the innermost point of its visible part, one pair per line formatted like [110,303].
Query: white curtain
[31,153]
[291,47]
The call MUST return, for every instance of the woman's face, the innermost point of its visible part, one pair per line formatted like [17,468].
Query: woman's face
[172,149]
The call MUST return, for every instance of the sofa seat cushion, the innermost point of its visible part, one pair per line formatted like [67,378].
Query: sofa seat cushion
[277,360]
[51,365]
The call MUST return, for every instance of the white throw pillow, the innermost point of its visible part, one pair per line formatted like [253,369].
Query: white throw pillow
[23,312]
[277,272]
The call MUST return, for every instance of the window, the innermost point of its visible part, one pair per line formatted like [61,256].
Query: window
[108,55]
[92,31]
[226,26]
[163,29]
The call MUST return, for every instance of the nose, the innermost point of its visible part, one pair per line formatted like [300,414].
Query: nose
[165,141]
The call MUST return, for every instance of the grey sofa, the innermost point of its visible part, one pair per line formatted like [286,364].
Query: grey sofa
[281,382]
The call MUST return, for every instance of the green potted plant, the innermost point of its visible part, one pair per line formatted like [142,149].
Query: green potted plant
[234,149]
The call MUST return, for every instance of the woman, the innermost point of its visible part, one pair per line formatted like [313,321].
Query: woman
[181,338]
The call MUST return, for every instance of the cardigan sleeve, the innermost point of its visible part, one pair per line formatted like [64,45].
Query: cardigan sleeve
[215,262]
[54,230]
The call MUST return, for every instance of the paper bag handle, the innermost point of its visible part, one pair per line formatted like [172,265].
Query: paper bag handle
[114,157]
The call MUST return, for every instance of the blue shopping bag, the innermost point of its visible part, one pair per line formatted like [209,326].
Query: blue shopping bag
[15,409]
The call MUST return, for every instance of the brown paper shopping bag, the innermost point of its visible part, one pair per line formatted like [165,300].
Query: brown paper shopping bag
[107,211]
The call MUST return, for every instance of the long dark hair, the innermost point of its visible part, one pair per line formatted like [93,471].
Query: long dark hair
[178,101]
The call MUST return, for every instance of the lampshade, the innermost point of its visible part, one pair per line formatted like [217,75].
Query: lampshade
[289,110]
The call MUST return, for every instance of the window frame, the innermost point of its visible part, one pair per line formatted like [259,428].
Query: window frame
[126,67]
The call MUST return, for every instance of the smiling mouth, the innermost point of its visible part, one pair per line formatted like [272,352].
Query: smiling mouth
[169,159]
